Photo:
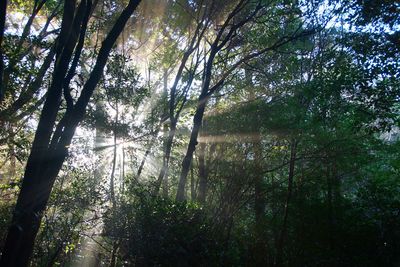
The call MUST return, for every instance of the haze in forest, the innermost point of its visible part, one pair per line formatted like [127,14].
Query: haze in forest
[199,133]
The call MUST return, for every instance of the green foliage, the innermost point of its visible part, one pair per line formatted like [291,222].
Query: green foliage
[6,208]
[378,12]
[328,98]
[121,82]
[161,232]
[67,216]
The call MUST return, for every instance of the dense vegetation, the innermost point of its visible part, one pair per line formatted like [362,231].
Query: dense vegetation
[199,133]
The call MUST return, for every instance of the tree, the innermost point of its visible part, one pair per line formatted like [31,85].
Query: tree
[39,176]
[234,21]
[178,96]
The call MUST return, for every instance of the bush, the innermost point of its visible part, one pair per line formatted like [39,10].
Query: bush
[161,232]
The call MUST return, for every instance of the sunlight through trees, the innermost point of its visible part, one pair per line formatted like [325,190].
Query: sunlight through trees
[199,133]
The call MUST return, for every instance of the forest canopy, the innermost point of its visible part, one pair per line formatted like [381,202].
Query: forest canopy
[199,133]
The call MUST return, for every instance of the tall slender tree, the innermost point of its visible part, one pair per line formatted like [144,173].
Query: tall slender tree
[3,12]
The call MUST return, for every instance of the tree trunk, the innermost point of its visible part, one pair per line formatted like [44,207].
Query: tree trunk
[173,113]
[113,260]
[114,163]
[168,137]
[55,255]
[3,12]
[199,113]
[112,187]
[165,182]
[198,117]
[202,174]
[279,257]
[333,200]
[192,185]
[167,156]
[259,204]
[197,121]
[122,184]
[165,135]
[36,188]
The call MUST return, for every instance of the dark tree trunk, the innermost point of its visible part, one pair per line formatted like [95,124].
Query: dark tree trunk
[206,91]
[167,156]
[174,114]
[260,249]
[197,120]
[45,161]
[192,185]
[35,188]
[55,255]
[3,12]
[202,174]
[122,184]
[205,164]
[165,186]
[165,182]
[333,197]
[114,251]
[198,117]
[280,247]
[261,258]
